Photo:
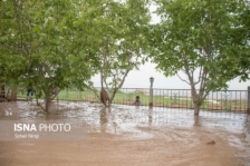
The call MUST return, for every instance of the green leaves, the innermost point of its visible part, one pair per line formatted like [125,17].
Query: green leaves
[37,39]
[121,30]
[62,43]
[205,39]
[196,30]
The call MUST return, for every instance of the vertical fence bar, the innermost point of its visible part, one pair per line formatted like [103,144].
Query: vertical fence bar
[248,99]
[240,103]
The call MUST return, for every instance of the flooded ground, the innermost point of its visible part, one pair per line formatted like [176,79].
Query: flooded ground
[130,136]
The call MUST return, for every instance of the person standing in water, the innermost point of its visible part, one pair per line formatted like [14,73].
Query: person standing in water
[137,101]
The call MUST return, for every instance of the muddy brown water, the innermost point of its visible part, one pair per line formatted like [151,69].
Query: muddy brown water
[130,136]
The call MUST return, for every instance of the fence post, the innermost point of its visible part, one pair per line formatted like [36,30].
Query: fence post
[151,97]
[248,99]
[151,79]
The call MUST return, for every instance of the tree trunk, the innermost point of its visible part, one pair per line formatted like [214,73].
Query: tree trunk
[47,104]
[13,94]
[2,92]
[109,103]
[196,109]
[196,100]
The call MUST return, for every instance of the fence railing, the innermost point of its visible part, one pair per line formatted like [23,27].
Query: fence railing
[229,100]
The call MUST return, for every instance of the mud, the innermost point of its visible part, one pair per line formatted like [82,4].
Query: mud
[131,136]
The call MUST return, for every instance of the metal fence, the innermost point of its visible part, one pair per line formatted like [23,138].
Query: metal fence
[229,100]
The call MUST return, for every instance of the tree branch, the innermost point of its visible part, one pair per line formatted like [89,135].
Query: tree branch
[183,79]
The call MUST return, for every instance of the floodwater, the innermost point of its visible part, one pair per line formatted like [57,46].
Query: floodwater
[130,136]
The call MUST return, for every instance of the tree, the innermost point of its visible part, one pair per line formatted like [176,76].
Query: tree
[203,39]
[243,69]
[46,45]
[120,27]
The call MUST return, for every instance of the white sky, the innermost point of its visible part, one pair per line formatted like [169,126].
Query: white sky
[140,79]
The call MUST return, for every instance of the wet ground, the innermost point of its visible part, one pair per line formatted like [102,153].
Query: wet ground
[130,136]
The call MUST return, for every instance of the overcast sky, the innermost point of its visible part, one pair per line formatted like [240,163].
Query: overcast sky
[140,79]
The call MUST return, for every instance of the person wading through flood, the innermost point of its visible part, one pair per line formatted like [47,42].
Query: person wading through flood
[137,101]
[30,93]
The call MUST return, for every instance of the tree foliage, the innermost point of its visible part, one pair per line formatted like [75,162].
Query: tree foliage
[46,45]
[121,29]
[204,39]
[56,44]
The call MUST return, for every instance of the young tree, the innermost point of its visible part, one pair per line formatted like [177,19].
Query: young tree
[122,40]
[203,39]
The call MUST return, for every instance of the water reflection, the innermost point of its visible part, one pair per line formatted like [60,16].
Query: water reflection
[150,119]
[247,128]
[103,119]
[126,119]
[197,121]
